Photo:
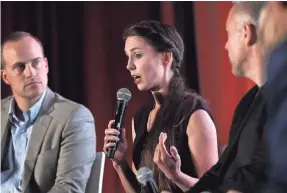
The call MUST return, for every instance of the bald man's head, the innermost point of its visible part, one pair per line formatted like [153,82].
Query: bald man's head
[14,37]
[247,12]
[242,30]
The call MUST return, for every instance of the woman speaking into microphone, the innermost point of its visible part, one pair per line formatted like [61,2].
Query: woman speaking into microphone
[173,135]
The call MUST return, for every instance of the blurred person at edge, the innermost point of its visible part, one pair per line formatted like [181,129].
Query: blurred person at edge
[273,33]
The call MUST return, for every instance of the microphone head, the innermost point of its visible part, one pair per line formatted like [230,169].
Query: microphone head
[144,175]
[124,94]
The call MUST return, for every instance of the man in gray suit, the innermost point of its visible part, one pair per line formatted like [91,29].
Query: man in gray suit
[48,143]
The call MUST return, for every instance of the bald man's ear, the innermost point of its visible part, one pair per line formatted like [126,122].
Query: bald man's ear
[250,34]
[4,76]
[46,64]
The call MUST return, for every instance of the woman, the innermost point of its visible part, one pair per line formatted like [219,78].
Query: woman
[174,135]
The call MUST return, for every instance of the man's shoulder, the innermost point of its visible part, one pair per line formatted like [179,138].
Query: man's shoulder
[247,99]
[5,102]
[64,107]
[66,103]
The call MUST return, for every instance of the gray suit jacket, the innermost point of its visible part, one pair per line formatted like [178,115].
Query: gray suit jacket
[61,149]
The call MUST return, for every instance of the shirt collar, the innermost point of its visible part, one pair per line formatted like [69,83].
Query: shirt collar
[31,113]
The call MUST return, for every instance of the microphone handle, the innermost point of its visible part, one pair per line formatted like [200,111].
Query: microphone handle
[150,187]
[120,110]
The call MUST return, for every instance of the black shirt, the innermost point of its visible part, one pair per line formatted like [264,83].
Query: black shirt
[140,124]
[244,162]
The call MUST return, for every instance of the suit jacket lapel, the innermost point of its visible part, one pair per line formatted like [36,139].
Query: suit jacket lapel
[37,136]
[240,112]
[229,153]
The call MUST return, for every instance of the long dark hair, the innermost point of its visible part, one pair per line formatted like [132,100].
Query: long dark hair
[165,38]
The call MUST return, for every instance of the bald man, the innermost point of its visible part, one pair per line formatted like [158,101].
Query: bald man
[242,167]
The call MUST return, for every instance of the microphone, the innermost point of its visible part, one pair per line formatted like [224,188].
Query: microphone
[123,97]
[145,178]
